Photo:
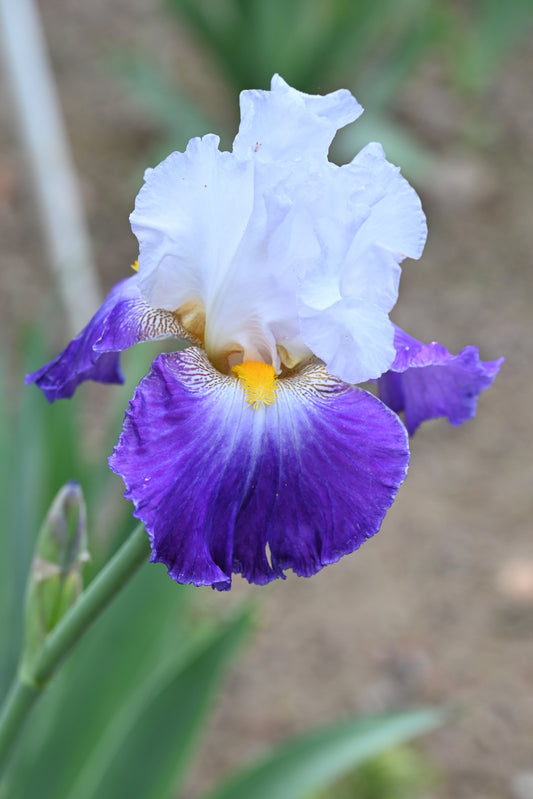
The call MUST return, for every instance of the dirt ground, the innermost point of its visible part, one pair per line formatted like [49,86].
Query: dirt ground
[438,608]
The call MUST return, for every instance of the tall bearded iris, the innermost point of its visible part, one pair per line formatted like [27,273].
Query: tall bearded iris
[251,451]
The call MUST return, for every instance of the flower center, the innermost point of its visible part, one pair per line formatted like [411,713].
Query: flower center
[259,382]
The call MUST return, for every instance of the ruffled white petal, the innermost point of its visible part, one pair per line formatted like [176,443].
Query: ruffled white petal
[354,339]
[396,220]
[190,217]
[346,295]
[212,231]
[287,125]
[280,254]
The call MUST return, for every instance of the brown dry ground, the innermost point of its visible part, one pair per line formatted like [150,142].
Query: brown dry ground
[437,608]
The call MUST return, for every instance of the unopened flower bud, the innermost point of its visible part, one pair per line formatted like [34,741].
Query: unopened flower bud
[55,581]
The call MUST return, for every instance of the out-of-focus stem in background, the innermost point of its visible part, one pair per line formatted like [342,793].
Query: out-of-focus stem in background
[52,168]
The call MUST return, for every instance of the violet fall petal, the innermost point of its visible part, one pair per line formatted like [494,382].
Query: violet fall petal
[122,320]
[426,381]
[225,488]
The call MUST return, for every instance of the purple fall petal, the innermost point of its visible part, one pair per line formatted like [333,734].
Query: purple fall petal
[426,381]
[79,361]
[224,488]
[122,320]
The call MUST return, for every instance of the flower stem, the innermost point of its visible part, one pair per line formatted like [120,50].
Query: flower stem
[17,705]
[32,677]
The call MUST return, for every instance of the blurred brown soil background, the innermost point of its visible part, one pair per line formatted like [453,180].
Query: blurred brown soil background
[438,608]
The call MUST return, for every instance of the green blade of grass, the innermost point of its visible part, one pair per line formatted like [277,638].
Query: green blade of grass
[312,761]
[161,723]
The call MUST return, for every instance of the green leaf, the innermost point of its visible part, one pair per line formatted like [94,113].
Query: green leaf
[160,724]
[23,469]
[294,768]
[400,145]
[141,630]
[484,37]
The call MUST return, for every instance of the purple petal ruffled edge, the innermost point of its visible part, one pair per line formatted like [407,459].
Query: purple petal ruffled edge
[223,488]
[123,319]
[426,381]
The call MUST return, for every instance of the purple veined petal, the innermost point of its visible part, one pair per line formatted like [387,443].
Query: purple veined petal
[426,381]
[225,488]
[122,320]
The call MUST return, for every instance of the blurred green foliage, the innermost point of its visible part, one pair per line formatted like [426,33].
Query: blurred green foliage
[42,447]
[317,759]
[399,773]
[315,44]
[124,714]
[372,47]
[482,36]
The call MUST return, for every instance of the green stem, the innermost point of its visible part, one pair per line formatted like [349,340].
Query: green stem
[33,676]
[17,705]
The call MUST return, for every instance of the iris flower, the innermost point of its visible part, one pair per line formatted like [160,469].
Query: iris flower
[252,451]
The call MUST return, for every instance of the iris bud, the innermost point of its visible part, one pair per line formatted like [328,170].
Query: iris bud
[55,581]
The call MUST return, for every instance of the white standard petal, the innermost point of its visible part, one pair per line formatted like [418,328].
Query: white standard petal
[189,218]
[255,312]
[346,295]
[271,252]
[352,333]
[395,220]
[215,249]
[285,124]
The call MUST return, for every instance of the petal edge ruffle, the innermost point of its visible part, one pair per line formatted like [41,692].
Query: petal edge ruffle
[426,381]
